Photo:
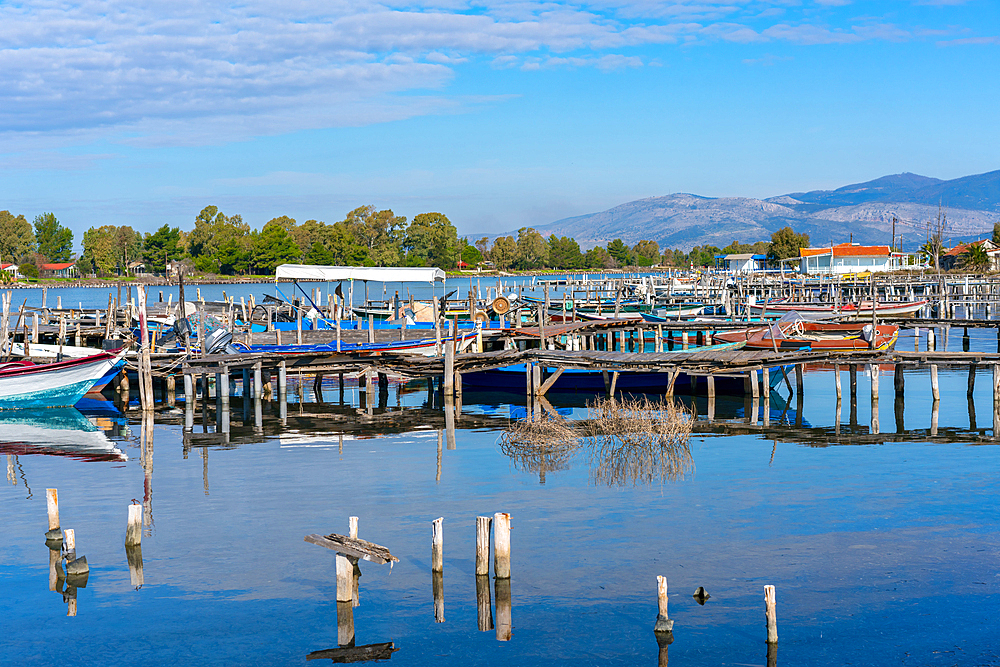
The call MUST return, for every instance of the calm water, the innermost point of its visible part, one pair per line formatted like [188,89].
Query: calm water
[881,554]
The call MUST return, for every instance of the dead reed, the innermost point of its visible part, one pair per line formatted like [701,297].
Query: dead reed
[637,441]
[544,444]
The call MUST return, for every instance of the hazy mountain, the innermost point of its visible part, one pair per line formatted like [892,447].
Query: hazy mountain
[971,205]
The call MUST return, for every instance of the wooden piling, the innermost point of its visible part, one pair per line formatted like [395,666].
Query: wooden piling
[770,615]
[345,579]
[52,506]
[437,545]
[663,622]
[133,529]
[69,544]
[972,380]
[449,368]
[935,391]
[483,524]
[501,545]
[437,589]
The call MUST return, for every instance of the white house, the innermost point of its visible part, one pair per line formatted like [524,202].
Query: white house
[851,258]
[740,263]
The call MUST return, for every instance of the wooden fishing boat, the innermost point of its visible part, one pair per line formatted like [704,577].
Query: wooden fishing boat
[797,334]
[24,384]
[861,310]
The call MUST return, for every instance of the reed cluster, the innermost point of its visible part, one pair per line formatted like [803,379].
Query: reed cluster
[629,441]
[637,441]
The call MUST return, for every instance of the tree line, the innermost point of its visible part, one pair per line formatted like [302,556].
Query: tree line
[225,244]
[367,236]
[530,250]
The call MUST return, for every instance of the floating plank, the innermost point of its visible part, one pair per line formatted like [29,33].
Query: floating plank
[365,653]
[349,546]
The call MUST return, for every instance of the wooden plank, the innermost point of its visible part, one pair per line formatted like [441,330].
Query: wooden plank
[346,654]
[550,381]
[361,549]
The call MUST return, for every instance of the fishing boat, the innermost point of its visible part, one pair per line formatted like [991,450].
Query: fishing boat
[792,332]
[24,384]
[56,432]
[861,310]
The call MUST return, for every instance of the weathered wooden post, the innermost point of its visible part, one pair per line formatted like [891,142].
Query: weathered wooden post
[133,529]
[710,382]
[449,369]
[935,392]
[501,545]
[770,615]
[437,544]
[133,554]
[52,507]
[483,524]
[663,622]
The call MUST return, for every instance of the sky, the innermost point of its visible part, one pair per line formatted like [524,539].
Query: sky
[497,113]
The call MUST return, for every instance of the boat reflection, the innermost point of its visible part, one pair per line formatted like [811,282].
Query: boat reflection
[56,432]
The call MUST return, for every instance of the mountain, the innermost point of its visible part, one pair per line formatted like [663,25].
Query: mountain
[971,205]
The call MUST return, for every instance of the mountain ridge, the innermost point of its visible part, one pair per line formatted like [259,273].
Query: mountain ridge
[862,212]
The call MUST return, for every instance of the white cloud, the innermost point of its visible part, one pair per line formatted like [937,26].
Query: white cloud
[181,71]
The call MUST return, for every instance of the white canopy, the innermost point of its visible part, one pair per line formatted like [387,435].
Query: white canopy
[385,274]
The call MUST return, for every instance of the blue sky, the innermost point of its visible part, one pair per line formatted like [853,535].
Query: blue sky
[499,114]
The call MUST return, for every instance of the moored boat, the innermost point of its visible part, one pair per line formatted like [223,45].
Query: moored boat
[861,310]
[796,333]
[24,384]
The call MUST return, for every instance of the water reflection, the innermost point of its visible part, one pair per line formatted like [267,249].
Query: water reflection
[54,432]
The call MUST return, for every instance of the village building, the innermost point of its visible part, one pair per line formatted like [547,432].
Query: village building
[740,263]
[12,269]
[58,270]
[953,258]
[852,258]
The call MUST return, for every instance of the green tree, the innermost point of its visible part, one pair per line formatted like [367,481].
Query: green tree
[470,254]
[503,253]
[703,255]
[975,258]
[273,246]
[108,250]
[564,253]
[646,253]
[17,239]
[532,250]
[160,247]
[380,233]
[599,258]
[785,243]
[220,243]
[55,242]
[996,232]
[619,252]
[431,240]
[319,255]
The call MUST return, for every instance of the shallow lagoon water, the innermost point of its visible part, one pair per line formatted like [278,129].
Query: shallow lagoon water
[880,553]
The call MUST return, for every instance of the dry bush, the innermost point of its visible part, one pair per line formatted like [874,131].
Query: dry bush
[638,441]
[544,444]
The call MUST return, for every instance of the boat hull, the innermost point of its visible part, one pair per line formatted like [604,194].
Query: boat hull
[61,384]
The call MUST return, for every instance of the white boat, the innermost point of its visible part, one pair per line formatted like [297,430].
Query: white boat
[24,384]
[49,351]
